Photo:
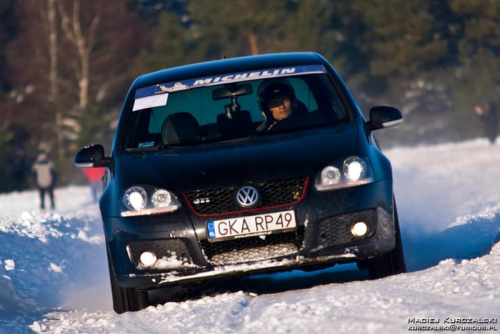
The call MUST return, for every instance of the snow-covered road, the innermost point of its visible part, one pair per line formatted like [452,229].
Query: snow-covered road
[53,272]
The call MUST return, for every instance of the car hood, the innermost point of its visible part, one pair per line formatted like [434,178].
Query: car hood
[239,161]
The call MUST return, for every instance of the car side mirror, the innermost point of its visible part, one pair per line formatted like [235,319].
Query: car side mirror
[92,156]
[384,117]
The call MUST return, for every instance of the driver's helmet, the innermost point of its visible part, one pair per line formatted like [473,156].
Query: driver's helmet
[271,89]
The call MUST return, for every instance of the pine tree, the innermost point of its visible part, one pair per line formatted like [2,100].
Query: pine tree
[475,78]
[170,45]
[479,50]
[401,43]
[237,28]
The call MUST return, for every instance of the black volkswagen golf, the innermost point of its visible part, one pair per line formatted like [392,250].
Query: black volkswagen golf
[240,166]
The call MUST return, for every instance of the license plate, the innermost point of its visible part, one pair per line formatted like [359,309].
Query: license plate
[249,226]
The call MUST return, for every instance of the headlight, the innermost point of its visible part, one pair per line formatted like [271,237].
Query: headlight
[330,175]
[161,198]
[135,198]
[138,203]
[353,171]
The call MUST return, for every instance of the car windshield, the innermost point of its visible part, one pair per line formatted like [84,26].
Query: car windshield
[202,111]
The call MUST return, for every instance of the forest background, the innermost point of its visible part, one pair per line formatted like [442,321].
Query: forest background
[66,65]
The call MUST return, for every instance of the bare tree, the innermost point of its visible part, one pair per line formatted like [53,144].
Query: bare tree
[69,66]
[53,71]
[84,43]
[53,53]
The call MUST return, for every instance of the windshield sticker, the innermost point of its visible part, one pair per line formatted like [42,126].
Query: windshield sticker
[147,144]
[176,87]
[150,102]
[227,78]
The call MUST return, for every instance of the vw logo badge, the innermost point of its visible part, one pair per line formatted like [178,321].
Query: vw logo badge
[247,196]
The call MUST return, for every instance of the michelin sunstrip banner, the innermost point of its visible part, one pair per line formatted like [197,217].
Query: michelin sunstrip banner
[228,78]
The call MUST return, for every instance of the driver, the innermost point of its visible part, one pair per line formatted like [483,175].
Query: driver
[278,102]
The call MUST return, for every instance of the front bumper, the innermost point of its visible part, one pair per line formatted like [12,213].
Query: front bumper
[322,238]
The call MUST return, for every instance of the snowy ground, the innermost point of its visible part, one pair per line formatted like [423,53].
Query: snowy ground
[53,273]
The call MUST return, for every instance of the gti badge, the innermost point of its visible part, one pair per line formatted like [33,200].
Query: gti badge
[247,196]
[201,201]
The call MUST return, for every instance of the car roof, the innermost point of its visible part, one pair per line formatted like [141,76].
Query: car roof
[229,65]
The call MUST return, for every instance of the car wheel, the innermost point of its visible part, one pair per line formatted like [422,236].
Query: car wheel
[125,300]
[392,263]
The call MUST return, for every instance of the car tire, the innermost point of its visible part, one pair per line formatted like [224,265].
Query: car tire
[126,300]
[392,263]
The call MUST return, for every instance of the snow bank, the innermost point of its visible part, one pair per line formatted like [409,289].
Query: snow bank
[448,200]
[46,257]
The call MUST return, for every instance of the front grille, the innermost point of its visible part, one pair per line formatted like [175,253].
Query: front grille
[253,248]
[336,230]
[222,200]
[169,248]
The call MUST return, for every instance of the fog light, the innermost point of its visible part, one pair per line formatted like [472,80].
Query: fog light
[359,229]
[148,259]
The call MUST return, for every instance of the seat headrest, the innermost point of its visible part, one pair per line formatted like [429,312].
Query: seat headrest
[240,124]
[180,128]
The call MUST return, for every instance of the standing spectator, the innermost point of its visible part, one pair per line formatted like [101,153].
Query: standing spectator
[45,177]
[94,176]
[489,118]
